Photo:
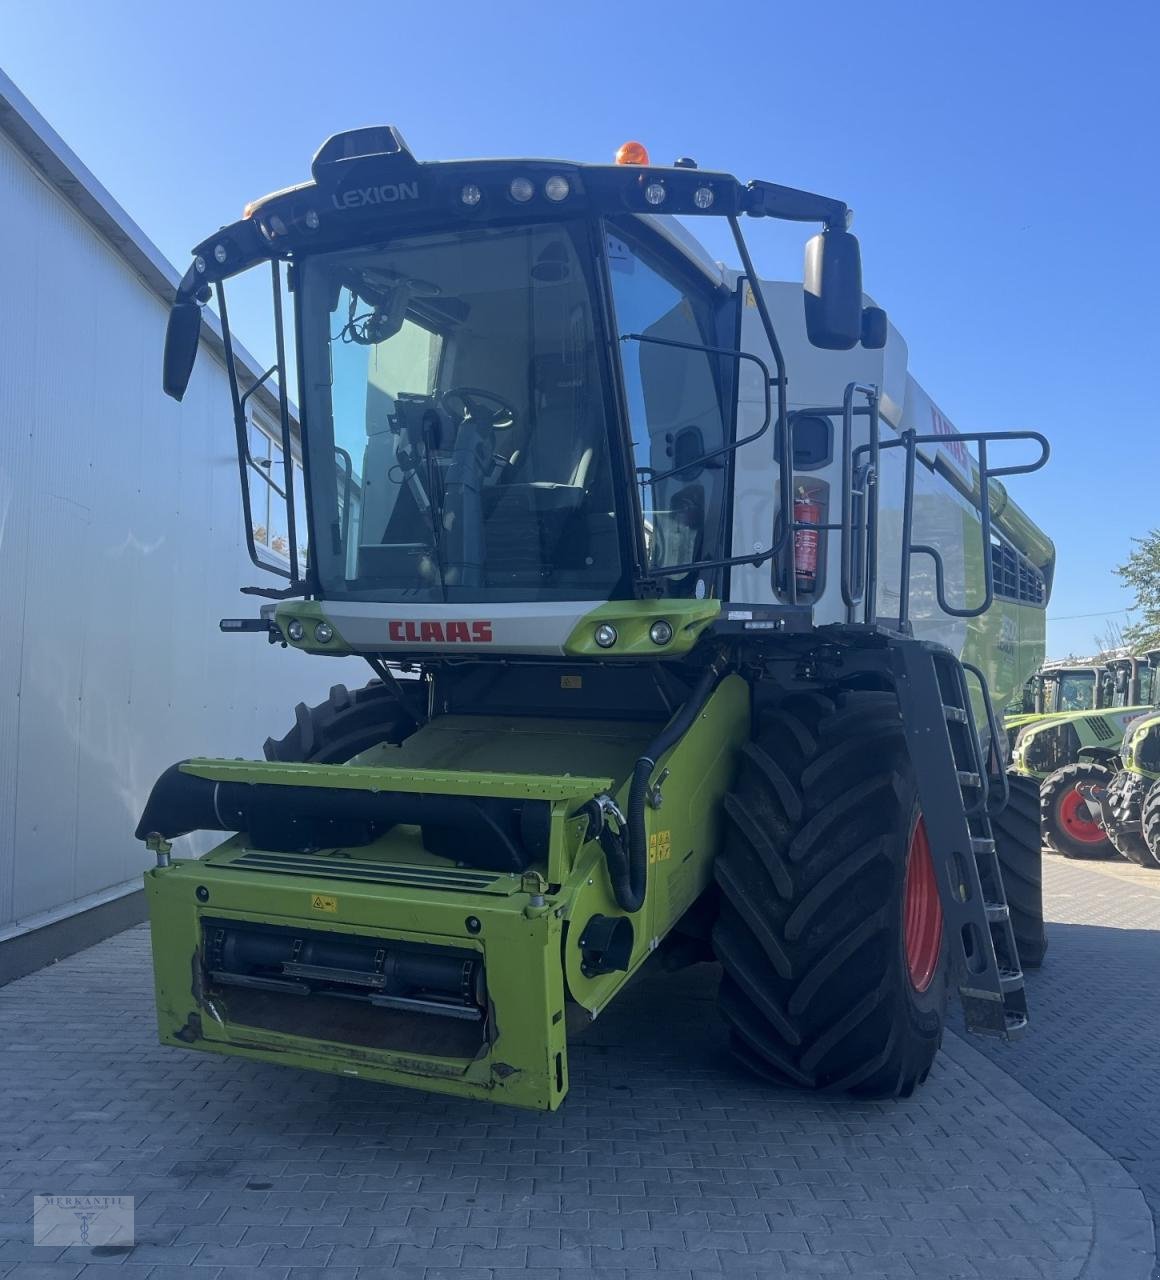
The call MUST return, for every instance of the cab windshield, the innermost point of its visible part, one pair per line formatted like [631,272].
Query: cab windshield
[457,431]
[1074,691]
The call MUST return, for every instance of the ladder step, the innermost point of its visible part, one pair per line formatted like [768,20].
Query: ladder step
[997,912]
[981,845]
[954,715]
[968,779]
[1011,980]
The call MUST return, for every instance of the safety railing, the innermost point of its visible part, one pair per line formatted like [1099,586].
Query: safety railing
[860,514]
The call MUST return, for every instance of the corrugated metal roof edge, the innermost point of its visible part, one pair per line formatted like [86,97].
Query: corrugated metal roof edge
[63,170]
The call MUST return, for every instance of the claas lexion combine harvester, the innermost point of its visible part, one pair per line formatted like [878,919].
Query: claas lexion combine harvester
[666,660]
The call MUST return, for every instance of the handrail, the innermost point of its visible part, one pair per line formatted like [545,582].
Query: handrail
[910,440]
[733,445]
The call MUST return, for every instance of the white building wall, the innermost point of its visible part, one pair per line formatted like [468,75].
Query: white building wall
[121,545]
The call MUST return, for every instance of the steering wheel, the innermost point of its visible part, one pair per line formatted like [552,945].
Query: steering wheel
[462,403]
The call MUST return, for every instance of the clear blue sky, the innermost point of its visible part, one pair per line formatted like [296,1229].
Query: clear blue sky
[1002,159]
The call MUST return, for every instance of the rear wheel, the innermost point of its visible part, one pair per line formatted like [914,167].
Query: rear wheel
[1124,805]
[1020,851]
[346,724]
[1151,815]
[831,933]
[1066,824]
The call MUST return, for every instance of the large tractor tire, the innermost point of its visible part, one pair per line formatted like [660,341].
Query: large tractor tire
[1124,806]
[1064,820]
[1020,850]
[346,724]
[830,932]
[1151,816]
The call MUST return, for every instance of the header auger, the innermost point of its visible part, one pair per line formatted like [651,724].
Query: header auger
[682,599]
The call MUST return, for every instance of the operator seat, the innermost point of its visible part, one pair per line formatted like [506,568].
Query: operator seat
[538,517]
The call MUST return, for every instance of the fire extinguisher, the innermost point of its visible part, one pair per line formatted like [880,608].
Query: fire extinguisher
[806,510]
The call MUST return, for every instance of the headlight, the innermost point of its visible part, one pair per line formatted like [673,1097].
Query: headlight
[324,633]
[605,635]
[661,632]
[295,630]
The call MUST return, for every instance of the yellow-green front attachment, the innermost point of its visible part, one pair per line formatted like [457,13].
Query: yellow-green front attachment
[391,962]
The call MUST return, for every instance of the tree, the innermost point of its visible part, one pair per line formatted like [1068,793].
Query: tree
[1141,572]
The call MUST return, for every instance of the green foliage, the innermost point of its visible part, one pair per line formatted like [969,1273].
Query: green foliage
[1141,572]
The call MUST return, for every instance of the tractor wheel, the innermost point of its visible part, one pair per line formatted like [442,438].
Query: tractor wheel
[343,726]
[1125,804]
[1152,825]
[830,932]
[1020,850]
[1064,819]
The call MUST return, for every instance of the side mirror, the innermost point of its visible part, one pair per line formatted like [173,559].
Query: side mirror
[833,290]
[182,335]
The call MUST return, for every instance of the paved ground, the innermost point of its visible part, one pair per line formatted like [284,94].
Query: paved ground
[665,1160]
[1095,1054]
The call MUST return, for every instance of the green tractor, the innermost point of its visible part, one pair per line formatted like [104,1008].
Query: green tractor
[1125,800]
[1078,749]
[664,660]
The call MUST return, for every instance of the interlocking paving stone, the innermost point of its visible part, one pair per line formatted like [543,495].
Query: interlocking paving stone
[666,1159]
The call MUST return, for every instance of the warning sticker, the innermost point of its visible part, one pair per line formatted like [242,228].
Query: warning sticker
[571,682]
[323,902]
[660,846]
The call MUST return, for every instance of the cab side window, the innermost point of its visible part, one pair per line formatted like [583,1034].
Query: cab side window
[675,401]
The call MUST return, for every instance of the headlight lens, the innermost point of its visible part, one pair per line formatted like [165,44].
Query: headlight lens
[661,632]
[605,635]
[522,190]
[295,630]
[324,633]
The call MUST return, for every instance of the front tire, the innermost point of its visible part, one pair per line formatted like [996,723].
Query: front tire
[1064,820]
[1151,817]
[825,878]
[1125,805]
[343,726]
[1020,852]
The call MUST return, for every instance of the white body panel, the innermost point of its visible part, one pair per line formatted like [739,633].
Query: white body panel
[818,378]
[120,548]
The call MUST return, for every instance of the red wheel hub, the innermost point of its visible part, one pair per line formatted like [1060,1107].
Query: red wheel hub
[1077,821]
[922,917]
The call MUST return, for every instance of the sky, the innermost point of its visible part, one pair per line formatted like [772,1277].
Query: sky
[1001,159]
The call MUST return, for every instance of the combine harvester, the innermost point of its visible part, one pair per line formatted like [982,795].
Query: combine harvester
[701,592]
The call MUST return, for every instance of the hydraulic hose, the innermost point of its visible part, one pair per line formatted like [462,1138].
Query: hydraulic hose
[627,854]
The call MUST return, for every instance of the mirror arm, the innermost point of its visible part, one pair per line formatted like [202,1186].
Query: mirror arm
[770,200]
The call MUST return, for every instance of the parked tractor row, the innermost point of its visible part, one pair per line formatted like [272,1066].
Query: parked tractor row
[1092,742]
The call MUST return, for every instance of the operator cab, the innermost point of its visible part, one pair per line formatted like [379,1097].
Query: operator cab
[1072,689]
[517,379]
[1128,682]
[462,413]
